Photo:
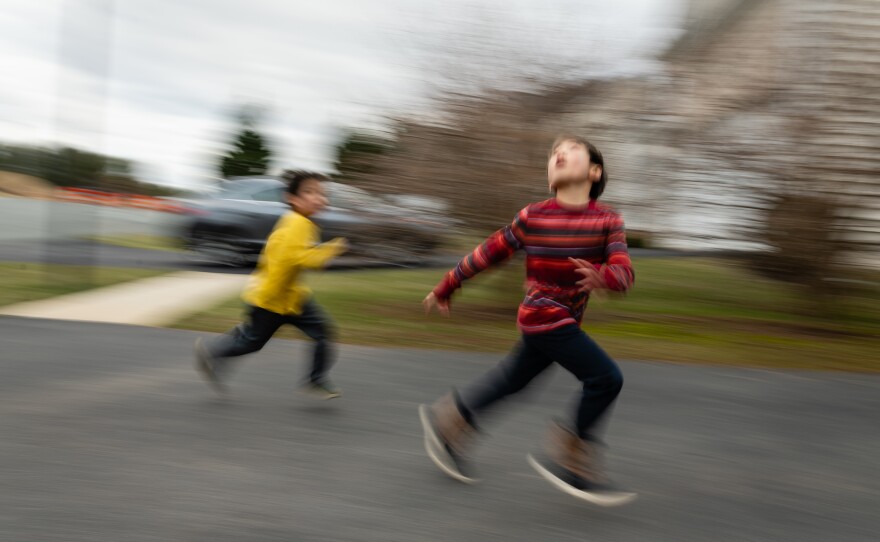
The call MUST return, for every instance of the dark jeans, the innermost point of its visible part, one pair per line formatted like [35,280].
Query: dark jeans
[571,348]
[259,326]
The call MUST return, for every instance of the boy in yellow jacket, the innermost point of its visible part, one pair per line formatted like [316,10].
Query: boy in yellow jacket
[275,295]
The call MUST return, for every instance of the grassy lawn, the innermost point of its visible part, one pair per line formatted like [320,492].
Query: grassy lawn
[29,282]
[682,309]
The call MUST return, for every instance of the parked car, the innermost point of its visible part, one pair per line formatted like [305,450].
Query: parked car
[232,226]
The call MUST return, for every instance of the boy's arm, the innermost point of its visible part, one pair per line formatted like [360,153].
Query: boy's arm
[498,247]
[318,256]
[618,270]
[298,248]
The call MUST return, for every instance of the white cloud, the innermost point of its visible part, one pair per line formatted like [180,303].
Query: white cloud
[176,69]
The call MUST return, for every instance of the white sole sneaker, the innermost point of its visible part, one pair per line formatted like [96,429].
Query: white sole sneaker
[604,498]
[321,395]
[436,451]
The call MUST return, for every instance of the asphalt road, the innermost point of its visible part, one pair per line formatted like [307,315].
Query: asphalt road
[54,232]
[79,252]
[38,220]
[108,435]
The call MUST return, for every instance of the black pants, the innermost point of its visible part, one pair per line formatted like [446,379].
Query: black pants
[571,348]
[259,326]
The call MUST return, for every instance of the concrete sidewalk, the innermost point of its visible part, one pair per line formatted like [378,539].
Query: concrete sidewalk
[154,301]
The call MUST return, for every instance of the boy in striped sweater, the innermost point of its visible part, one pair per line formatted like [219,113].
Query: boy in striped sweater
[574,246]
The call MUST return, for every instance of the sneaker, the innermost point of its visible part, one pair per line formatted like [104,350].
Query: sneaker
[447,435]
[321,390]
[208,365]
[573,465]
[568,482]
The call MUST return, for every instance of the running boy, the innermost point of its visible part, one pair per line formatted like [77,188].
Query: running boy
[574,246]
[275,295]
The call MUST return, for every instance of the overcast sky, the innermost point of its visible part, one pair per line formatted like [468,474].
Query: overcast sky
[157,81]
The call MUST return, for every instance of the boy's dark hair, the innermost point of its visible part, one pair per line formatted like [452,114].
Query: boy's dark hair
[294,178]
[595,158]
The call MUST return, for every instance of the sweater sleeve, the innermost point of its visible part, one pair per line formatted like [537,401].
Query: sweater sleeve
[619,274]
[500,246]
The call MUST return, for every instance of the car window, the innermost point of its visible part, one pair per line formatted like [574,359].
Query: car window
[236,192]
[272,194]
[233,193]
[348,197]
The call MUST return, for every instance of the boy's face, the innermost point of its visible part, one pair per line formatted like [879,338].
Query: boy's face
[569,163]
[310,198]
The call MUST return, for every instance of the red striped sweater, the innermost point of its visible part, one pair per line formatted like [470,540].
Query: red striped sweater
[550,234]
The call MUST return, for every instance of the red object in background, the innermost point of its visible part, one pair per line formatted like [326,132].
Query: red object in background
[134,201]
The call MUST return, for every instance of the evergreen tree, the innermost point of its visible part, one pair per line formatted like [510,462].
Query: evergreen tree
[250,154]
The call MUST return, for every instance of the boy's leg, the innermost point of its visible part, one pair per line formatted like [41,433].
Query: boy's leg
[600,376]
[573,458]
[318,326]
[449,423]
[249,336]
[509,376]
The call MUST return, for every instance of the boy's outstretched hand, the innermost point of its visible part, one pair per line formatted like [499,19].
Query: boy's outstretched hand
[432,301]
[593,280]
[342,244]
